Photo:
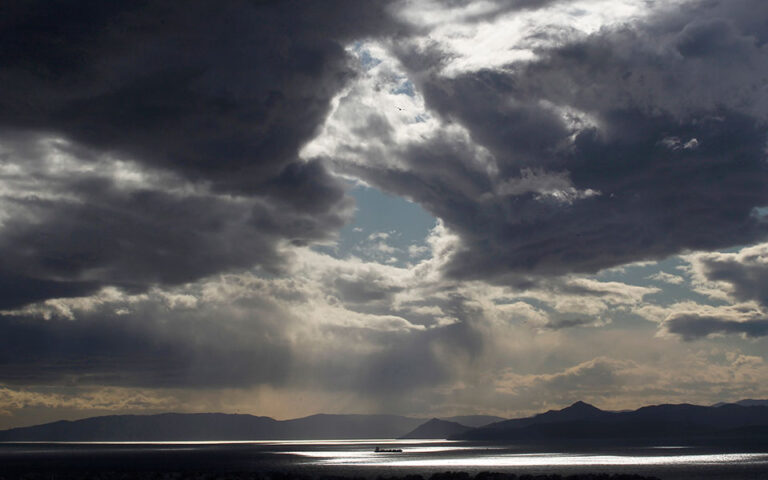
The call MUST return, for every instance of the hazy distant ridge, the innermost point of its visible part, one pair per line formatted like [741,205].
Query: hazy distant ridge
[473,420]
[437,428]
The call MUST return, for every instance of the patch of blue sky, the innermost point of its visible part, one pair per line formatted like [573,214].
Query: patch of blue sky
[671,293]
[367,61]
[640,273]
[385,229]
[651,275]
[404,88]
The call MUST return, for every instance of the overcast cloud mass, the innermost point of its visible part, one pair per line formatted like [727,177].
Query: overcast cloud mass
[405,206]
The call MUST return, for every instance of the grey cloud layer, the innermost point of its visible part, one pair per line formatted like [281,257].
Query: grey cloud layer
[738,277]
[493,347]
[221,97]
[745,272]
[693,326]
[365,328]
[628,144]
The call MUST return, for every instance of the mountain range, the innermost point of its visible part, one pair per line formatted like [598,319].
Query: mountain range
[220,426]
[687,423]
[740,422]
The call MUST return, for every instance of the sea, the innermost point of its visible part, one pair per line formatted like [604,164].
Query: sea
[358,458]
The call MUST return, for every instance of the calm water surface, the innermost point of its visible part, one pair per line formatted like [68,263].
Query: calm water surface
[357,457]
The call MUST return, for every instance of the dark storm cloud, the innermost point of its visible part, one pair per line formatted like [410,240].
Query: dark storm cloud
[662,151]
[692,326]
[71,232]
[746,272]
[139,248]
[219,95]
[151,346]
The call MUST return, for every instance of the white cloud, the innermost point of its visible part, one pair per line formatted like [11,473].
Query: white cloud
[509,34]
[665,277]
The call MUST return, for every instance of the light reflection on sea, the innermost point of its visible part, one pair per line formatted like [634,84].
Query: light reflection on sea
[537,460]
[351,456]
[414,454]
[671,462]
[358,458]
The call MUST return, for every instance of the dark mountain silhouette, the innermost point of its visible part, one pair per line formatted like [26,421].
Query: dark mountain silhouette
[577,411]
[473,420]
[436,428]
[214,426]
[731,423]
[666,423]
[168,426]
[219,426]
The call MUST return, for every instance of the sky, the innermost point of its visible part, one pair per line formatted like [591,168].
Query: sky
[416,207]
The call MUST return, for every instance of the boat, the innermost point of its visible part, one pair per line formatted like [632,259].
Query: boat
[387,450]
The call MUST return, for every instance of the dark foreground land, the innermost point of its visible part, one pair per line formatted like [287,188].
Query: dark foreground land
[284,476]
